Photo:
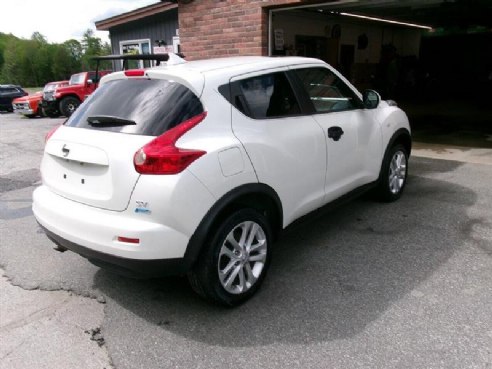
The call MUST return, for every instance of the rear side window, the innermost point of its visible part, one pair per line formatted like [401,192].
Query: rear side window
[154,106]
[267,96]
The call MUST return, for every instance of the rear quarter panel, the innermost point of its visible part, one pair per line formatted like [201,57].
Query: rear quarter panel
[226,164]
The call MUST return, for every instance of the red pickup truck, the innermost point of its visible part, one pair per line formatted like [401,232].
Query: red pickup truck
[65,100]
[30,105]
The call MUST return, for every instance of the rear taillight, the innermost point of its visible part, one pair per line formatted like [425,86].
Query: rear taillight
[161,156]
[50,133]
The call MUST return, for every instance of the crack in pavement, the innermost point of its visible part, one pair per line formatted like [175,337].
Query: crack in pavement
[42,329]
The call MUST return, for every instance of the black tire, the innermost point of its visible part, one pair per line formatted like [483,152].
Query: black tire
[40,112]
[50,113]
[204,277]
[392,179]
[68,105]
[30,116]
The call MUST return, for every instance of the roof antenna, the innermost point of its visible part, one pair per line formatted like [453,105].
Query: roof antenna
[174,59]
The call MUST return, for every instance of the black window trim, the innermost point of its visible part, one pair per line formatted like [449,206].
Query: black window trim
[307,99]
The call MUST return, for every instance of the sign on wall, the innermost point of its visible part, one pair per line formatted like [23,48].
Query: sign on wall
[279,39]
[163,49]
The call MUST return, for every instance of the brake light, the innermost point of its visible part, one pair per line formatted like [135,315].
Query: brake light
[134,72]
[161,156]
[128,240]
[50,133]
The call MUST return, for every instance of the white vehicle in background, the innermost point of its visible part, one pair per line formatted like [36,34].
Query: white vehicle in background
[195,167]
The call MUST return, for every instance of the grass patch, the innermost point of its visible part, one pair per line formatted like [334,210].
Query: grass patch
[32,90]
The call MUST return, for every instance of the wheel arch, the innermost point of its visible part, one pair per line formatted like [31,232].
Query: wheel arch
[401,136]
[258,196]
[70,95]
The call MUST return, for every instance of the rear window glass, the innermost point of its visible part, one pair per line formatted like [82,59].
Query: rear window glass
[154,105]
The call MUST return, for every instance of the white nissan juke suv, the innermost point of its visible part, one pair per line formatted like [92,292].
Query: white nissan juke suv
[195,167]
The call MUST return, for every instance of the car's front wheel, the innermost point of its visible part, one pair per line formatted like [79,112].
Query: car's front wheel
[394,173]
[234,263]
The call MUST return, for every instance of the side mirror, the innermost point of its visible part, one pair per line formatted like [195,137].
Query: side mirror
[89,82]
[371,99]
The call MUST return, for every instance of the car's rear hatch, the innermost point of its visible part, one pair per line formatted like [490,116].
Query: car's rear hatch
[90,158]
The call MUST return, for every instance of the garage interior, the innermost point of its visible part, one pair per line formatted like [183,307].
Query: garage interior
[434,57]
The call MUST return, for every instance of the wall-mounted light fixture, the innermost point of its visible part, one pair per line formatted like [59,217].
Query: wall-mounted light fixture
[376,19]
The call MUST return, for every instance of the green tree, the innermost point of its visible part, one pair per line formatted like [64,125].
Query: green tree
[74,48]
[40,59]
[39,38]
[11,69]
[35,61]
[93,46]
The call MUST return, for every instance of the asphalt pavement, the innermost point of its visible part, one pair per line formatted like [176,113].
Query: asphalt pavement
[367,285]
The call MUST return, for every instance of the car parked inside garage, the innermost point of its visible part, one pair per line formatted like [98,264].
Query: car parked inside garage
[195,167]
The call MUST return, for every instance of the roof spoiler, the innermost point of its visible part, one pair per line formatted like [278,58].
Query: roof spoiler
[171,58]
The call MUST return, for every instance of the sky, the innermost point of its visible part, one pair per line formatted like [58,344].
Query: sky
[61,20]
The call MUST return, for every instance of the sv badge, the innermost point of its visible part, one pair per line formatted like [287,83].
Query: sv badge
[142,207]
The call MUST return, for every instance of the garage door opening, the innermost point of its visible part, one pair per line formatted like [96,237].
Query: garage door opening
[432,57]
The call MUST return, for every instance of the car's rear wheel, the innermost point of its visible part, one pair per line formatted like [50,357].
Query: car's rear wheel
[235,261]
[68,105]
[394,173]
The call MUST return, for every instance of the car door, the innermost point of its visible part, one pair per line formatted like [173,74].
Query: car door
[353,136]
[287,148]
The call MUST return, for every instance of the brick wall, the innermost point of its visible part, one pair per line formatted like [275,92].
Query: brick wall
[216,28]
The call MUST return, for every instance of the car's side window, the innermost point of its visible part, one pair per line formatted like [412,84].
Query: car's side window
[8,90]
[266,96]
[326,91]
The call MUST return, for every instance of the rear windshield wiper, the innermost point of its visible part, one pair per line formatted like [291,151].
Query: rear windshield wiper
[109,120]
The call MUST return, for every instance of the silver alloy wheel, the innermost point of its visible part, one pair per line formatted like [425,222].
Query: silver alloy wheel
[397,172]
[242,257]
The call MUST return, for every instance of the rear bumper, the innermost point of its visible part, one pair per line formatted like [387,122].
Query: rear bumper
[93,232]
[128,267]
